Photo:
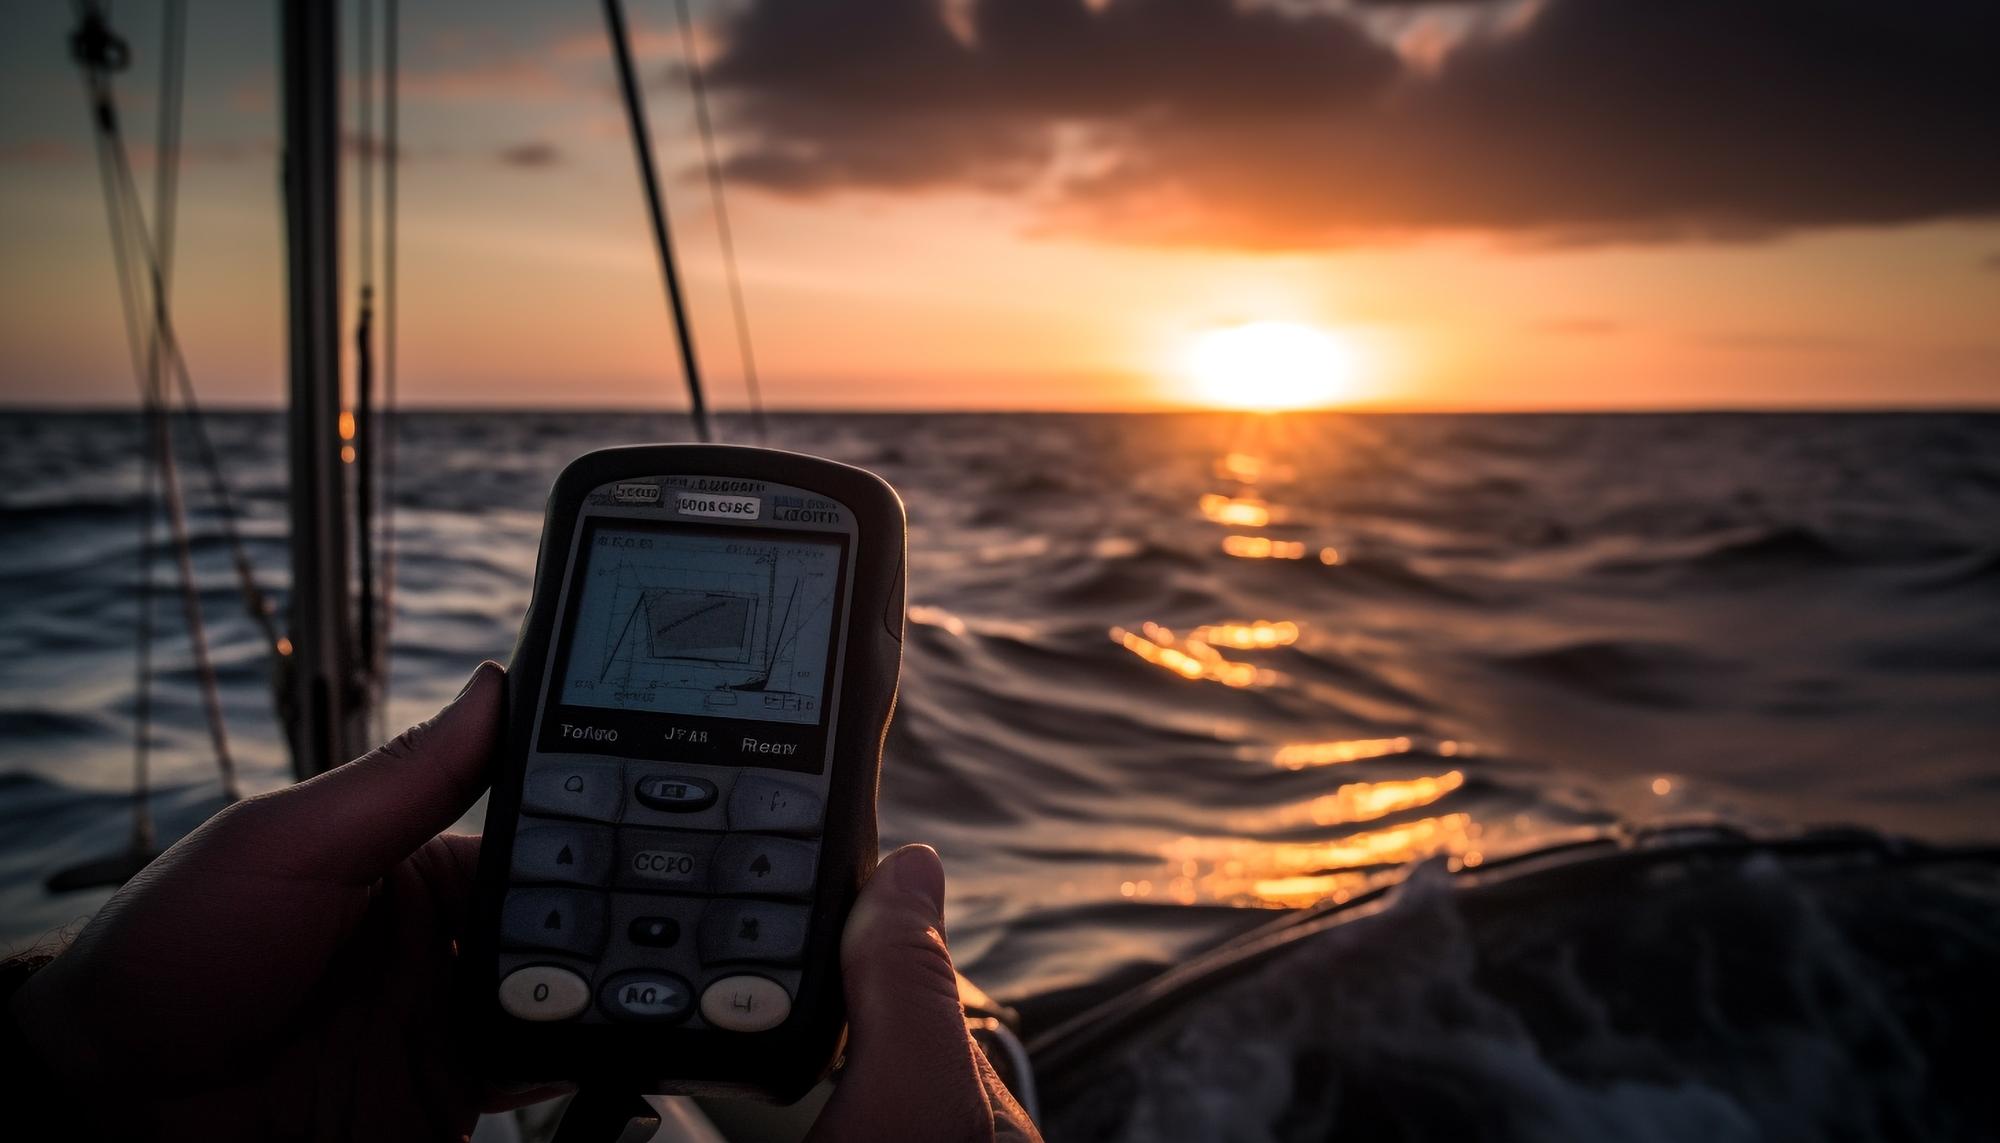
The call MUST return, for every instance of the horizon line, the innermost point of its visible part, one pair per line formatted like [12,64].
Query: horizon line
[1856,408]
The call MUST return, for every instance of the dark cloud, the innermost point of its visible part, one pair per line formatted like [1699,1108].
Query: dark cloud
[1204,121]
[531,155]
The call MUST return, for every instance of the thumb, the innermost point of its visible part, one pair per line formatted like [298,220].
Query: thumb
[355,822]
[910,1066]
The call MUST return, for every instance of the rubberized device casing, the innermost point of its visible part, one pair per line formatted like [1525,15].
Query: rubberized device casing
[783,1063]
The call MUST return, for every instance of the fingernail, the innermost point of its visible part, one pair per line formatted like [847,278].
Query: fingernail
[917,869]
[467,688]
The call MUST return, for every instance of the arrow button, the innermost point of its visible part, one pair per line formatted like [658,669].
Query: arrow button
[758,866]
[561,853]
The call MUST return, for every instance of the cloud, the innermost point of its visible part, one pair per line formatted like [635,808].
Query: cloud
[533,155]
[1214,122]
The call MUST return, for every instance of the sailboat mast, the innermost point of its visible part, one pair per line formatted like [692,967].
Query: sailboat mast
[323,692]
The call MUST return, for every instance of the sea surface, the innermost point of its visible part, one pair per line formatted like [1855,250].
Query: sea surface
[1167,675]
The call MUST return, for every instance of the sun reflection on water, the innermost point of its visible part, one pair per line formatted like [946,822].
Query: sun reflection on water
[1366,801]
[1249,468]
[1289,875]
[1236,511]
[1190,658]
[1262,548]
[1255,635]
[1300,755]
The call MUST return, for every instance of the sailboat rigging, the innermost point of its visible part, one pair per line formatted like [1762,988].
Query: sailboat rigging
[330,659]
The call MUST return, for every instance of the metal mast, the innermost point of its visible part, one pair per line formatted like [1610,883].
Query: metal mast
[656,209]
[322,688]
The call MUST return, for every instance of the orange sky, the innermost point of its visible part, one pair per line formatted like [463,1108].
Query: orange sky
[531,282]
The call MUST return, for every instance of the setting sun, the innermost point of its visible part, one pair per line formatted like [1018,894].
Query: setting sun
[1271,366]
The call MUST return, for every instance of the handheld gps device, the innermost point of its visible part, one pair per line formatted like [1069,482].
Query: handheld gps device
[683,806]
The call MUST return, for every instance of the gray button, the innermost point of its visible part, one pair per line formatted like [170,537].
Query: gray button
[665,860]
[745,1003]
[771,806]
[592,790]
[564,920]
[674,793]
[544,992]
[563,853]
[654,932]
[765,866]
[646,995]
[753,930]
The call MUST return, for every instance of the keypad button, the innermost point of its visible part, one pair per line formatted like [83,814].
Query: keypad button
[753,930]
[647,995]
[748,864]
[768,805]
[745,1003]
[654,932]
[564,920]
[569,854]
[543,992]
[664,860]
[674,793]
[594,790]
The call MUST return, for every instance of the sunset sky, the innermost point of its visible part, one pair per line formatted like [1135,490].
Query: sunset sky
[1518,204]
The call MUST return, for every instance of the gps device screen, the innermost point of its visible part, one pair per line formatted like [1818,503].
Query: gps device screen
[680,634]
[684,623]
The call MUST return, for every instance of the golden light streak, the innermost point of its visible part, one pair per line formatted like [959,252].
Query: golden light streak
[1257,635]
[1293,875]
[1190,658]
[1299,755]
[1366,801]
[1245,468]
[1262,548]
[1240,512]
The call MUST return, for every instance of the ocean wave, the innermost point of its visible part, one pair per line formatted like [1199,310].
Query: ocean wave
[1739,1001]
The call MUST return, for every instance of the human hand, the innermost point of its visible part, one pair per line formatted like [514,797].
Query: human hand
[284,970]
[913,1071]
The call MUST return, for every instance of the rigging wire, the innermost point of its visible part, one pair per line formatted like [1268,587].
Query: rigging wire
[392,146]
[363,453]
[700,91]
[141,264]
[656,209]
[166,191]
[100,52]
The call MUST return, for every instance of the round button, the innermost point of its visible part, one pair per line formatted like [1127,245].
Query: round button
[654,996]
[745,1003]
[654,932]
[544,992]
[675,794]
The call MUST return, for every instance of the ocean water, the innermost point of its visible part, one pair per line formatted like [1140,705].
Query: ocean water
[1169,675]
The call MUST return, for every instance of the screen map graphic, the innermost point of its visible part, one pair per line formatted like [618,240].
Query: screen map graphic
[733,627]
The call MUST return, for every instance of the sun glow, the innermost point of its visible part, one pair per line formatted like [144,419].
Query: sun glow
[1271,366]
